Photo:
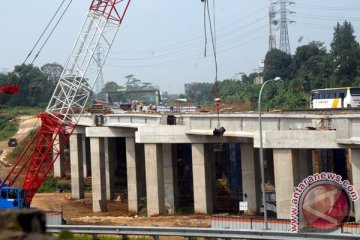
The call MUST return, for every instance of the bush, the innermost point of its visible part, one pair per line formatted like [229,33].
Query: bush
[53,185]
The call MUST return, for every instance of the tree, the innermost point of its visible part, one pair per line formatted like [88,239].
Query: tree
[277,64]
[201,92]
[345,54]
[111,86]
[313,68]
[35,89]
[304,53]
[52,71]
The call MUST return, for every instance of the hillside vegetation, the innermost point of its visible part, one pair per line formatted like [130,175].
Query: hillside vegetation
[8,124]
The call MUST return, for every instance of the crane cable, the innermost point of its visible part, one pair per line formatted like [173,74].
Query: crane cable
[14,88]
[42,34]
[213,41]
[52,31]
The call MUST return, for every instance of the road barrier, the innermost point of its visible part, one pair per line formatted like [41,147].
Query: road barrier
[194,232]
[256,223]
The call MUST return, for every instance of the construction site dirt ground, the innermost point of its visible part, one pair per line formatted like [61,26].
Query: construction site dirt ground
[80,211]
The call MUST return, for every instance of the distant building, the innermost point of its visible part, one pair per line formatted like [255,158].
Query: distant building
[150,95]
[259,78]
[261,65]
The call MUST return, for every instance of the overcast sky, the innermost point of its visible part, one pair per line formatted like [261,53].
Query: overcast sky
[162,41]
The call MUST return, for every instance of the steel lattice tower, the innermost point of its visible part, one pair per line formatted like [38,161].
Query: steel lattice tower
[100,82]
[284,35]
[272,37]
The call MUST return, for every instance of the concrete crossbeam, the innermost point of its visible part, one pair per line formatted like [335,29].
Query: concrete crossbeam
[109,132]
[295,139]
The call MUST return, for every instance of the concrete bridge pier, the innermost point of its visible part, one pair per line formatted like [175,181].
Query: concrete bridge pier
[202,179]
[110,157]
[59,164]
[250,178]
[355,171]
[154,179]
[284,181]
[85,156]
[98,174]
[76,166]
[170,189]
[136,183]
[290,167]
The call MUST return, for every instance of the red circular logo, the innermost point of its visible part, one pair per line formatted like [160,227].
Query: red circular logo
[325,206]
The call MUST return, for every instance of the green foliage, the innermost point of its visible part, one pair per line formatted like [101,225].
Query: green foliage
[52,185]
[36,87]
[345,54]
[65,235]
[278,64]
[8,127]
[8,123]
[20,111]
[143,212]
[16,152]
[201,93]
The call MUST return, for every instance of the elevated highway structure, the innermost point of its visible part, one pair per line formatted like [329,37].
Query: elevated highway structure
[151,146]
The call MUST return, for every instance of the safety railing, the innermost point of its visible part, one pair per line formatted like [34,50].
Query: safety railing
[155,232]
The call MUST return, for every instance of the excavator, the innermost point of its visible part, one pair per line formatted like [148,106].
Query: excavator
[66,105]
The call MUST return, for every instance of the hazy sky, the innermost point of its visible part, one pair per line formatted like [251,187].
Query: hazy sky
[162,41]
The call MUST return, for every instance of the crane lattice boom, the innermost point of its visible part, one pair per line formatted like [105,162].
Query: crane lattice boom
[70,96]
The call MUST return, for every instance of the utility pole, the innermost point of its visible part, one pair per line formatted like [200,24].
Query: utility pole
[284,35]
[272,23]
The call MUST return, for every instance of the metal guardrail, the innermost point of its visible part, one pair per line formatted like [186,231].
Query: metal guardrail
[194,232]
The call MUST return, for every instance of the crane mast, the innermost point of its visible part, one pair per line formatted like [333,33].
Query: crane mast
[70,96]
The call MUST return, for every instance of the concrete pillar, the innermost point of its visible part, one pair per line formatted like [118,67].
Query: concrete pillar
[140,169]
[251,181]
[169,183]
[154,179]
[131,170]
[59,164]
[98,175]
[303,163]
[201,180]
[210,158]
[86,164]
[110,153]
[76,167]
[284,181]
[355,174]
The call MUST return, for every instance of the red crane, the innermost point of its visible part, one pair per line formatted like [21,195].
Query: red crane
[67,103]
